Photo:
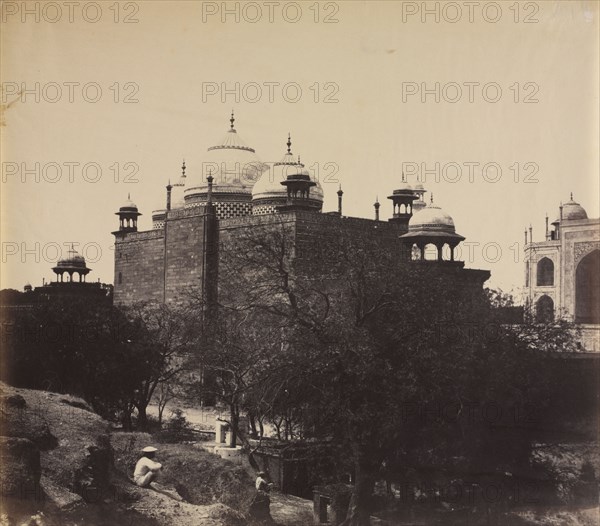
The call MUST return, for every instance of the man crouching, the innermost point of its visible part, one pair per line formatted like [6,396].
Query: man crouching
[146,470]
[146,473]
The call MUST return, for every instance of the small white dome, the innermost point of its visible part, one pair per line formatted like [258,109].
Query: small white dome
[128,206]
[431,218]
[73,260]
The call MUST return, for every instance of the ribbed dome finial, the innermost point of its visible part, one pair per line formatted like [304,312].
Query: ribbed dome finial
[183,169]
[289,143]
[571,196]
[232,120]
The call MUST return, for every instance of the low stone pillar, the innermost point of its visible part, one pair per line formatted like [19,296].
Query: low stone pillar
[330,503]
[320,505]
[221,429]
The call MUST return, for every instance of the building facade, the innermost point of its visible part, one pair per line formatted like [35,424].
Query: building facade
[235,192]
[562,272]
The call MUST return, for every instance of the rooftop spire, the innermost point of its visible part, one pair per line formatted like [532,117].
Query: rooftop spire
[210,180]
[571,196]
[183,169]
[232,120]
[431,198]
[128,196]
[403,177]
[289,143]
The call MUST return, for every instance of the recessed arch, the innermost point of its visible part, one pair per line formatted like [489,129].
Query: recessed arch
[544,309]
[545,273]
[587,289]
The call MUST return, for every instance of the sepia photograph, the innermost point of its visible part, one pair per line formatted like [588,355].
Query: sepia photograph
[300,263]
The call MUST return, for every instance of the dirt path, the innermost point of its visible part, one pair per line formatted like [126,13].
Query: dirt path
[167,511]
[286,510]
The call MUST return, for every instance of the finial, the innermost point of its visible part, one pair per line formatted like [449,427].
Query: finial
[376,204]
[210,180]
[128,196]
[289,143]
[571,196]
[431,198]
[403,177]
[183,169]
[232,120]
[340,191]
[299,160]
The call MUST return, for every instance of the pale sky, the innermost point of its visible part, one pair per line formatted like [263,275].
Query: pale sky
[368,65]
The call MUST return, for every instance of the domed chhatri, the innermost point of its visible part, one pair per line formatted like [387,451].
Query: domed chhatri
[403,197]
[419,203]
[432,225]
[128,215]
[74,263]
[128,206]
[270,193]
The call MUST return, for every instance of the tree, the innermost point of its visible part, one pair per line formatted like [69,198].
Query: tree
[383,349]
[72,345]
[165,335]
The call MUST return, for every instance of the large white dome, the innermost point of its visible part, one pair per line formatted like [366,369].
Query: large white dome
[233,164]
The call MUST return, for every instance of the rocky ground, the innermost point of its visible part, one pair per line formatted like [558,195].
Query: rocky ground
[62,466]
